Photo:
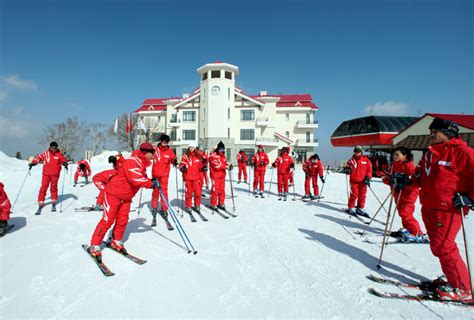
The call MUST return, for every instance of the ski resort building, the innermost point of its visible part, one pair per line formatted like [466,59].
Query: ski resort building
[220,111]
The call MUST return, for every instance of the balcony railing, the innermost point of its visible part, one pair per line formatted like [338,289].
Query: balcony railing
[262,121]
[309,143]
[307,124]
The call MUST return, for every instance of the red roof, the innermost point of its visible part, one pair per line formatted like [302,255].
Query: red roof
[153,105]
[291,100]
[464,120]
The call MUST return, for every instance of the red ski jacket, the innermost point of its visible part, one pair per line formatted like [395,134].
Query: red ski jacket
[260,161]
[445,169]
[410,192]
[162,159]
[360,168]
[217,163]
[5,205]
[52,162]
[130,178]
[313,168]
[193,163]
[87,171]
[283,163]
[102,178]
[242,157]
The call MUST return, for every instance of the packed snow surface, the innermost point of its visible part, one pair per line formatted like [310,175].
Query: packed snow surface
[275,260]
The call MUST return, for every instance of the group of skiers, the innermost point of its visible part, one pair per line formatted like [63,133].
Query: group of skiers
[443,179]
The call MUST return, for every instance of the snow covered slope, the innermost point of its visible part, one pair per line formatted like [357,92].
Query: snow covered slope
[275,260]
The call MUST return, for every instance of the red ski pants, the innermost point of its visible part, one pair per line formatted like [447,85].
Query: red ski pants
[218,191]
[405,211]
[259,179]
[115,211]
[193,187]
[283,182]
[204,178]
[46,181]
[442,228]
[242,169]
[358,193]
[156,193]
[291,177]
[307,188]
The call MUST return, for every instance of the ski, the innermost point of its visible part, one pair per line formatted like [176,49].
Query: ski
[422,285]
[98,261]
[217,211]
[346,211]
[153,221]
[203,218]
[5,231]
[229,213]
[86,209]
[168,225]
[53,208]
[126,254]
[426,296]
[191,217]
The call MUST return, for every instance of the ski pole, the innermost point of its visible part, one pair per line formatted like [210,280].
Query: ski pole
[377,198]
[294,188]
[178,224]
[466,248]
[183,190]
[271,180]
[231,189]
[324,183]
[177,192]
[62,193]
[21,188]
[386,227]
[375,215]
[139,202]
[347,187]
[250,175]
[394,211]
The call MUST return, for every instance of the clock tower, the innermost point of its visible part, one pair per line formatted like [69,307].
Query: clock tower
[217,101]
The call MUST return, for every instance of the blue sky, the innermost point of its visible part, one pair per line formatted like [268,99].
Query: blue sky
[99,59]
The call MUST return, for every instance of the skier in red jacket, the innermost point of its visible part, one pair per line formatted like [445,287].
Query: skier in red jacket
[445,174]
[52,159]
[119,193]
[284,164]
[242,159]
[204,173]
[5,207]
[102,178]
[313,167]
[191,166]
[260,162]
[218,165]
[359,168]
[400,172]
[83,170]
[164,156]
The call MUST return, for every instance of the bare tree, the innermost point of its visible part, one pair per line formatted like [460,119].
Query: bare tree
[151,131]
[124,138]
[97,136]
[69,135]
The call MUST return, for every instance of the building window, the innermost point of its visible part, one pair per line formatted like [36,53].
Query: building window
[215,74]
[247,134]
[189,134]
[227,153]
[228,133]
[247,115]
[173,135]
[203,132]
[228,75]
[228,113]
[228,93]
[189,116]
[308,118]
[204,76]
[287,117]
[308,136]
[287,134]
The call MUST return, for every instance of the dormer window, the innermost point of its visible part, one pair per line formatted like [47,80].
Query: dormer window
[151,108]
[298,104]
[215,74]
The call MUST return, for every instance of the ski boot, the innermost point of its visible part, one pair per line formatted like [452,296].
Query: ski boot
[261,194]
[197,209]
[117,245]
[164,214]
[221,207]
[280,196]
[314,197]
[448,293]
[3,227]
[255,193]
[75,183]
[362,212]
[352,211]
[96,252]
[422,238]
[285,195]
[188,210]
[154,211]
[214,209]
[98,207]
[53,209]
[87,180]
[307,196]
[399,233]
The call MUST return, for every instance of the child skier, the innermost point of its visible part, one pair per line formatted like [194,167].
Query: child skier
[284,164]
[259,162]
[242,159]
[313,167]
[359,168]
[191,166]
[83,170]
[5,207]
[218,164]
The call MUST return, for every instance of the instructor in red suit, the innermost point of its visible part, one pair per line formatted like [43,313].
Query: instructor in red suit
[242,159]
[359,168]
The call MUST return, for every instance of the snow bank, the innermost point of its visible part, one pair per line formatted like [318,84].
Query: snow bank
[10,163]
[104,157]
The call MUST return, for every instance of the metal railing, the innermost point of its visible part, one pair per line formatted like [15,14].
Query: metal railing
[266,139]
[307,122]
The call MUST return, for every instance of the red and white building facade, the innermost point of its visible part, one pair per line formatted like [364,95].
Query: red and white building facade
[220,111]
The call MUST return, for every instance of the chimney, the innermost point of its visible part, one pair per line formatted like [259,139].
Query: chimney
[263,93]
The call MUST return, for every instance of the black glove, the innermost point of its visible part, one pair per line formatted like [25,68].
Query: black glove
[461,201]
[262,163]
[346,170]
[183,169]
[31,165]
[231,167]
[401,180]
[292,166]
[175,162]
[322,179]
[204,168]
[156,183]
[274,165]
[65,165]
[306,175]
[366,181]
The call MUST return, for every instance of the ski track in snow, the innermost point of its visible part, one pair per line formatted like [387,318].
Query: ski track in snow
[275,260]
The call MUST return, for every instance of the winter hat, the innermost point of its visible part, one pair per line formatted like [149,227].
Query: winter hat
[315,156]
[165,137]
[147,147]
[82,166]
[193,145]
[112,159]
[260,146]
[448,127]
[220,146]
[53,144]
[357,149]
[284,149]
